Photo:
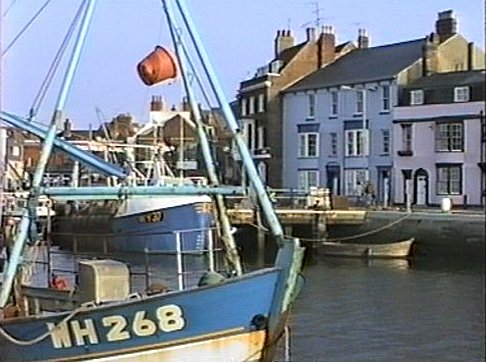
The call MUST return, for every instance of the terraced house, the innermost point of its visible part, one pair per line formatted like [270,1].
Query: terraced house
[260,111]
[338,121]
[440,138]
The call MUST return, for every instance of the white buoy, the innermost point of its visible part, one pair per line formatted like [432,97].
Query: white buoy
[446,204]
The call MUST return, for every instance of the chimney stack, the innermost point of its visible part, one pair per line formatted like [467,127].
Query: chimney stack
[157,104]
[430,61]
[283,40]
[326,46]
[67,128]
[446,25]
[363,39]
[470,56]
[311,34]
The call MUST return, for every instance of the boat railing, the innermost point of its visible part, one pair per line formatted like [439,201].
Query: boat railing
[288,198]
[178,270]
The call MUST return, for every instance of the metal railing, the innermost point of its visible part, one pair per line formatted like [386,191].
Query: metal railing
[46,254]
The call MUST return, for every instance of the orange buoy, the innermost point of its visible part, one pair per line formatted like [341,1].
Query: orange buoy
[158,66]
[59,283]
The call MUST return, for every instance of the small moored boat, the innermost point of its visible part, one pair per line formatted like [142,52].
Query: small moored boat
[398,249]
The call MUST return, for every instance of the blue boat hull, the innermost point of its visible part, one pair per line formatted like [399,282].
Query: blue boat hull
[227,321]
[156,231]
[101,227]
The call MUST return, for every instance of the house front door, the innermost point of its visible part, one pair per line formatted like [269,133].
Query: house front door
[421,190]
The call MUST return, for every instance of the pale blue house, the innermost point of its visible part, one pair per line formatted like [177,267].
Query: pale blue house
[338,121]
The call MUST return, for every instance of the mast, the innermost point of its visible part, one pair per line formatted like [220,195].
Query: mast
[254,177]
[227,236]
[3,138]
[29,213]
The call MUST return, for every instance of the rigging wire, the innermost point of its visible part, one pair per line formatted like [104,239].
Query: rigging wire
[12,3]
[24,29]
[54,65]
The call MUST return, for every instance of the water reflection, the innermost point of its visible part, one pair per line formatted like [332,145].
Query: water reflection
[399,264]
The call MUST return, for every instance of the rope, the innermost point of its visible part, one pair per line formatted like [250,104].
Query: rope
[24,29]
[54,65]
[9,7]
[351,237]
[43,336]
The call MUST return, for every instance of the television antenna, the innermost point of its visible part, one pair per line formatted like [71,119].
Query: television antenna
[318,19]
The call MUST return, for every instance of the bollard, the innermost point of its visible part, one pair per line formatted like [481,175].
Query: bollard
[446,204]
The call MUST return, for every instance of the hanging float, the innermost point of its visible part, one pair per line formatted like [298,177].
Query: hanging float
[159,66]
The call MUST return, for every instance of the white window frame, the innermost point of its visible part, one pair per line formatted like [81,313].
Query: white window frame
[15,151]
[355,143]
[449,179]
[308,179]
[407,137]
[386,98]
[416,97]
[260,137]
[243,106]
[334,103]
[354,181]
[304,149]
[252,105]
[261,103]
[385,141]
[249,133]
[333,141]
[311,105]
[461,94]
[359,101]
[449,137]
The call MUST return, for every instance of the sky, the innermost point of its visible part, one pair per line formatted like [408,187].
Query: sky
[238,36]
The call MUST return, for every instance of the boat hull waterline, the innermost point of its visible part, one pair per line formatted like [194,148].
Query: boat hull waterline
[206,323]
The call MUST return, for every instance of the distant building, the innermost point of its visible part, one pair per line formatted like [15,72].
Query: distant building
[173,132]
[337,122]
[439,134]
[12,158]
[260,112]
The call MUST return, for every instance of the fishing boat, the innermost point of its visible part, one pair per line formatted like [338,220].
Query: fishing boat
[144,224]
[397,249]
[230,315]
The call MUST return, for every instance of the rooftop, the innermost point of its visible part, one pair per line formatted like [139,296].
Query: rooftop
[364,65]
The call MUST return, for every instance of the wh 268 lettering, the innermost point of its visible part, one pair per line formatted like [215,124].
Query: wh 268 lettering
[168,318]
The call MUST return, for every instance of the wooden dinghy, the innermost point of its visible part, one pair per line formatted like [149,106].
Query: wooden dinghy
[398,249]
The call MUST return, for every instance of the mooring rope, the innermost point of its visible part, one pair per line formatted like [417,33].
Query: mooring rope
[344,238]
[43,336]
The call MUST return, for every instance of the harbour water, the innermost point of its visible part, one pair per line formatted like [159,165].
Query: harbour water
[389,310]
[379,310]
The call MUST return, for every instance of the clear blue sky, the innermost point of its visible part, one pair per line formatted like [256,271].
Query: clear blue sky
[238,35]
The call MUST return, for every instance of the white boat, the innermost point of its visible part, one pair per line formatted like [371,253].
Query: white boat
[397,249]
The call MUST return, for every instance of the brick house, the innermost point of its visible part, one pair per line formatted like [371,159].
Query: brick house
[259,102]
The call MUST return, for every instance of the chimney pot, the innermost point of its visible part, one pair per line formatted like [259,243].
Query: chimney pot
[67,128]
[311,34]
[283,40]
[446,25]
[363,39]
[326,46]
